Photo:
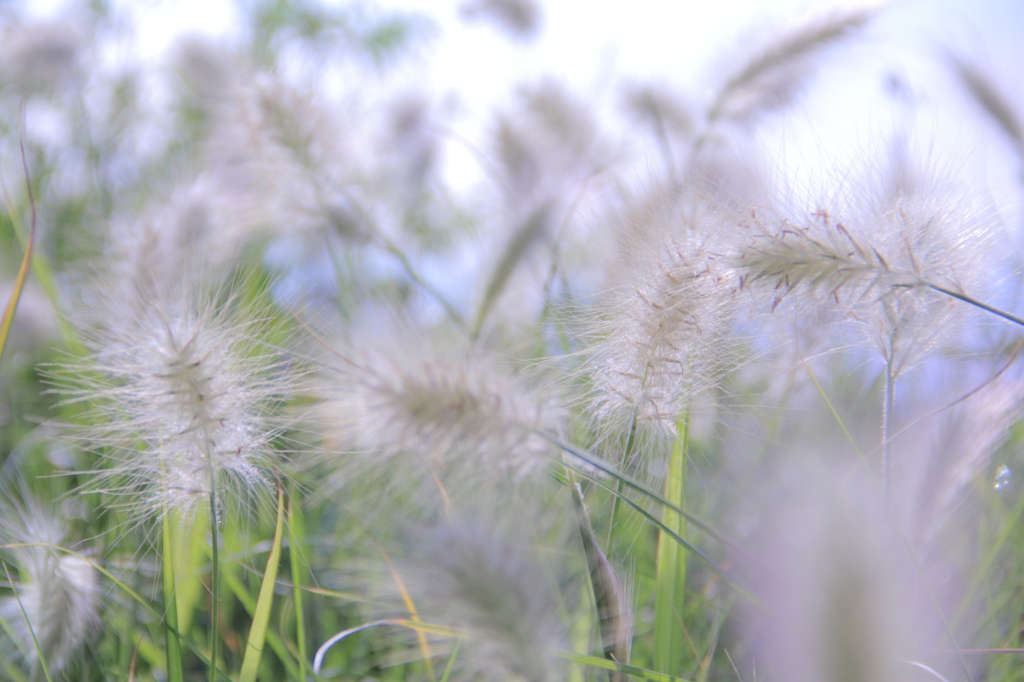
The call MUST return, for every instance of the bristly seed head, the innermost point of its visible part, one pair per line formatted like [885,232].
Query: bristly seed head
[886,270]
[59,592]
[472,579]
[182,398]
[407,394]
[665,339]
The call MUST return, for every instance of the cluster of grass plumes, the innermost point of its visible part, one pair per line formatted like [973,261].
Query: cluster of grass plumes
[310,411]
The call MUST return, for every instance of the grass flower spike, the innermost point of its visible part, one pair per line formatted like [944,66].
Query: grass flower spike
[404,395]
[474,580]
[664,338]
[185,400]
[58,594]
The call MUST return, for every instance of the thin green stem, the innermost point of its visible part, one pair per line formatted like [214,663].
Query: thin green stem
[214,580]
[174,667]
[976,303]
[296,532]
[887,411]
[630,441]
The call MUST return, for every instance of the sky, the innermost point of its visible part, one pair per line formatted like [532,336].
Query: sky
[470,69]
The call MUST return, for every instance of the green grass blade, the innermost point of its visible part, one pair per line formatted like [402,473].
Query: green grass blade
[711,563]
[605,664]
[258,630]
[296,535]
[28,624]
[19,281]
[613,615]
[174,668]
[12,302]
[248,602]
[451,661]
[631,483]
[670,570]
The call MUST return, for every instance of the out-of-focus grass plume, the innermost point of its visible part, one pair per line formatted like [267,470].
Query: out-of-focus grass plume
[322,371]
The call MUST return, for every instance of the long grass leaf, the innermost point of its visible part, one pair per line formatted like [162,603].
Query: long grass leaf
[605,664]
[708,561]
[451,661]
[241,593]
[28,624]
[643,490]
[174,668]
[613,614]
[418,626]
[258,629]
[26,261]
[296,533]
[670,569]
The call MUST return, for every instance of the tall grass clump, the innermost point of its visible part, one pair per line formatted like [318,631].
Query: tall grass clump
[308,374]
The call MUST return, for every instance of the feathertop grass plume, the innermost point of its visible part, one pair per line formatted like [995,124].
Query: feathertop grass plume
[894,270]
[441,401]
[59,592]
[201,227]
[519,18]
[474,580]
[830,571]
[667,335]
[41,56]
[991,100]
[183,398]
[770,79]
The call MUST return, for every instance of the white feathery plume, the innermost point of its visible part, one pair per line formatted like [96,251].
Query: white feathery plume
[843,601]
[666,336]
[469,577]
[441,401]
[894,270]
[183,398]
[58,592]
[40,56]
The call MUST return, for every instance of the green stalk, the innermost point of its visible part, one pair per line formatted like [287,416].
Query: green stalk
[887,410]
[41,660]
[174,668]
[296,532]
[670,571]
[214,580]
[630,441]
[261,615]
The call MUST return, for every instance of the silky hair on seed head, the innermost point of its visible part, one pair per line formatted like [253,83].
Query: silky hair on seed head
[182,397]
[411,391]
[470,577]
[886,268]
[668,333]
[58,592]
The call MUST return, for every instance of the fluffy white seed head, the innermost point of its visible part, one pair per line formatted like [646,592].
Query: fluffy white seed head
[472,579]
[842,604]
[40,56]
[182,399]
[667,336]
[407,393]
[59,592]
[882,268]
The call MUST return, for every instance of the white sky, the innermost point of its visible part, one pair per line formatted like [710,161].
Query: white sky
[594,46]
